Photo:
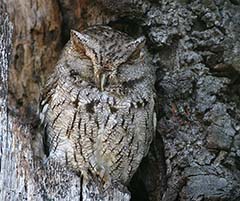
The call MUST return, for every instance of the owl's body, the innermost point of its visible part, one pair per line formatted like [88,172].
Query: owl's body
[98,105]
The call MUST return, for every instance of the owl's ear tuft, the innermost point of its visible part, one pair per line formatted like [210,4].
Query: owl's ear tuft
[84,44]
[135,48]
[79,40]
[136,44]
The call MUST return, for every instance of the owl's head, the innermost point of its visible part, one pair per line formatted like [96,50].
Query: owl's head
[108,51]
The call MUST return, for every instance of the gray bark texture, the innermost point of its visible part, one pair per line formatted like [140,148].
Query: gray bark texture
[195,45]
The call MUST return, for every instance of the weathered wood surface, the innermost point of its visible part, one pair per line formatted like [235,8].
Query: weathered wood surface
[36,45]
[5,139]
[16,182]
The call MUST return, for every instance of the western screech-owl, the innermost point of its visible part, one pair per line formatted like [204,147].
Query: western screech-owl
[98,105]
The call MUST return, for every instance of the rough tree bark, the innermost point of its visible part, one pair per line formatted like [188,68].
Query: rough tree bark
[196,47]
[5,45]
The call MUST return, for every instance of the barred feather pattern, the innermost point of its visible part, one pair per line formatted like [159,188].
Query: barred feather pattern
[101,133]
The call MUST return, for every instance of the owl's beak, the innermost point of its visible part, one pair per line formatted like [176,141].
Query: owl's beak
[102,81]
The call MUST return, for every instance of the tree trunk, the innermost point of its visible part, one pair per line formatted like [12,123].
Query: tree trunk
[195,46]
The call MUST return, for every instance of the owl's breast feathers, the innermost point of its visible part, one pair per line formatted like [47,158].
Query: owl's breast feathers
[98,131]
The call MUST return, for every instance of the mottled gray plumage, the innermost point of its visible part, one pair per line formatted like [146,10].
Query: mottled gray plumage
[98,105]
